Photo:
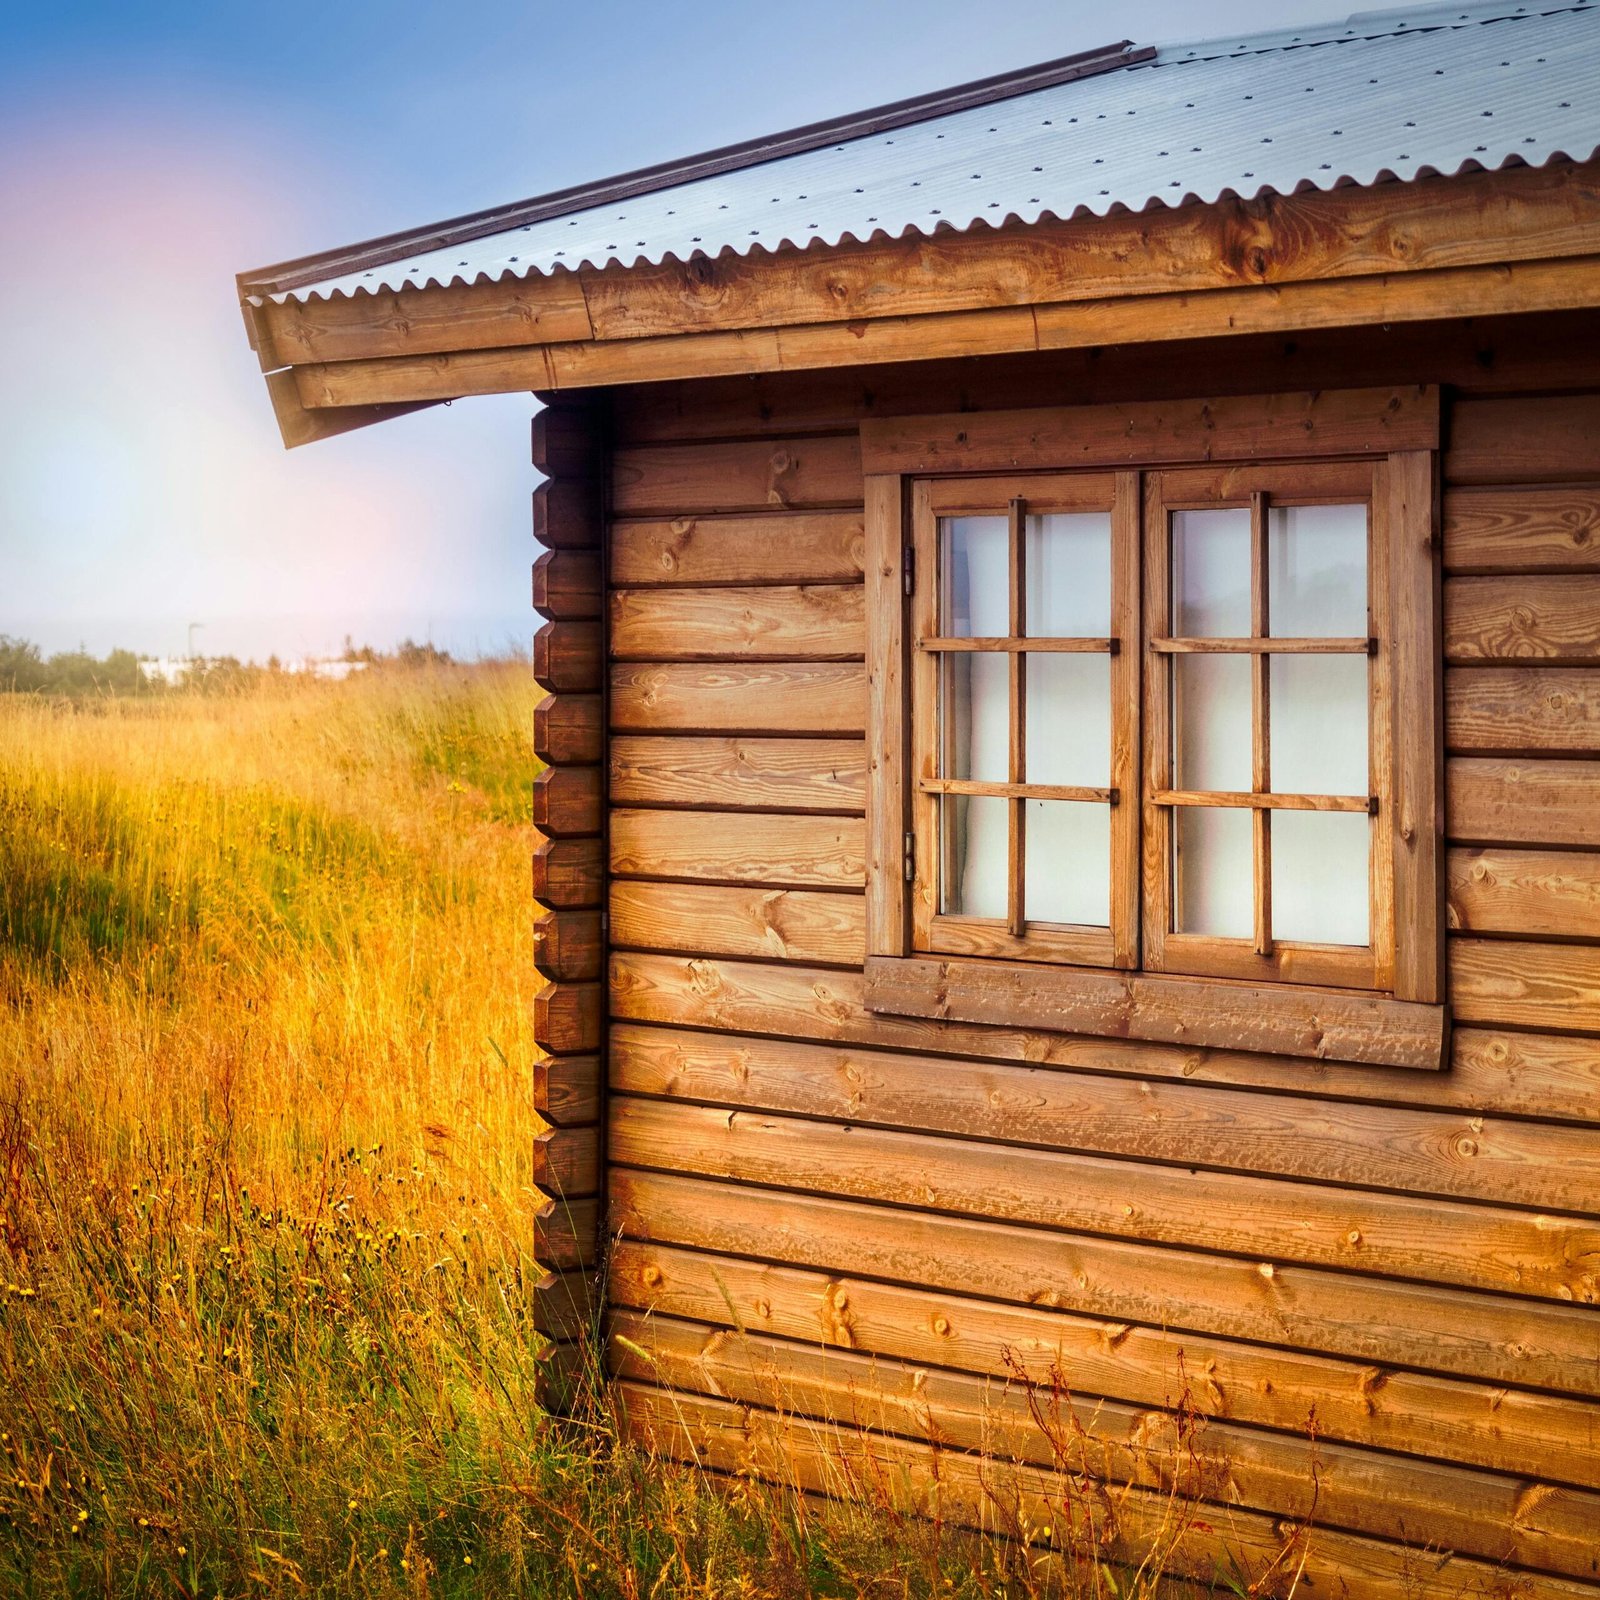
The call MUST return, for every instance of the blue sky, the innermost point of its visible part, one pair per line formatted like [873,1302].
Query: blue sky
[153,150]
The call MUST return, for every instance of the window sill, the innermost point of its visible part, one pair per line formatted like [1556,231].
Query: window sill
[1209,1013]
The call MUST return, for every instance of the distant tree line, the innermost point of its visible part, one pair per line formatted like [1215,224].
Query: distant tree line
[24,669]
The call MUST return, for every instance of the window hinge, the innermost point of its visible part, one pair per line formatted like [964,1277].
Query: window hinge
[908,568]
[910,856]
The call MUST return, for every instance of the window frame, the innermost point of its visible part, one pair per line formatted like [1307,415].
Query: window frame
[1394,433]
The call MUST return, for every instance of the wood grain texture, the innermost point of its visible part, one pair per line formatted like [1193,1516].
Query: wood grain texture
[1524,802]
[567,585]
[569,874]
[1516,709]
[1542,617]
[1151,432]
[1422,1151]
[739,847]
[820,622]
[1387,1408]
[1452,1508]
[566,437]
[1384,1321]
[1379,1233]
[776,547]
[568,800]
[777,924]
[1522,1074]
[566,1233]
[567,1089]
[775,697]
[566,1162]
[1325,1024]
[904,1477]
[568,657]
[566,515]
[651,481]
[1522,530]
[569,1018]
[1524,440]
[563,1305]
[888,718]
[818,775]
[569,728]
[568,946]
[1554,894]
[1526,985]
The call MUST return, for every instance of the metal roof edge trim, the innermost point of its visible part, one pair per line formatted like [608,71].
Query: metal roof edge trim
[286,276]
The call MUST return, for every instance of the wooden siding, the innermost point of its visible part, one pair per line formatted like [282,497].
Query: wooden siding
[842,1234]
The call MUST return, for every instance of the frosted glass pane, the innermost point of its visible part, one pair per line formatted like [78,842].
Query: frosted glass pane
[1318,718]
[1211,722]
[1067,865]
[1214,888]
[974,712]
[1068,567]
[975,845]
[1211,573]
[1319,877]
[975,563]
[1069,719]
[1317,572]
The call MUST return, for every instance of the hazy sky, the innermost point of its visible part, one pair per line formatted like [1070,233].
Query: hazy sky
[148,151]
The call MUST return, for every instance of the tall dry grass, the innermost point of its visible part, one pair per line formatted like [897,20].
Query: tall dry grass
[265,1124]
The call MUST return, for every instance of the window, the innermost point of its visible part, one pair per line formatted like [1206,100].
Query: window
[1160,723]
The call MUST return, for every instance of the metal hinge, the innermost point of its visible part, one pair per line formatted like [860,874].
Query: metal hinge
[908,568]
[910,857]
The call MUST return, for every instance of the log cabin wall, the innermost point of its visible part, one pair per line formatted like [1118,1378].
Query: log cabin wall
[913,1221]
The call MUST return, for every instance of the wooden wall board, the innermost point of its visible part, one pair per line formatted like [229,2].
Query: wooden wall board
[567,1090]
[1523,439]
[743,475]
[739,697]
[1545,893]
[739,847]
[764,774]
[773,547]
[1485,1337]
[569,872]
[777,924]
[1384,1407]
[819,622]
[1525,985]
[1523,801]
[1420,1151]
[1551,617]
[1381,1233]
[1522,530]
[1514,710]
[1521,1074]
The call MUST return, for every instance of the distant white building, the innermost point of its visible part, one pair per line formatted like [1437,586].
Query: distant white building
[171,670]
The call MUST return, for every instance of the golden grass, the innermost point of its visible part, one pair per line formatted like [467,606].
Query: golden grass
[265,1124]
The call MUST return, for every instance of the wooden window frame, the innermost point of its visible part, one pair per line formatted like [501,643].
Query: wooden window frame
[1287,999]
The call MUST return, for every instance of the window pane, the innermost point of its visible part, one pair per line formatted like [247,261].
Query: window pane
[975,568]
[1211,573]
[1214,872]
[973,840]
[1211,722]
[1068,567]
[1067,876]
[974,717]
[1069,719]
[1317,713]
[1317,572]
[1320,893]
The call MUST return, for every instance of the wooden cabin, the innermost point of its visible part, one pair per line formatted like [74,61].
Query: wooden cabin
[1071,833]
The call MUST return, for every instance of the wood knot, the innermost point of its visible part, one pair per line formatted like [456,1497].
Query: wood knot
[941,1326]
[651,1275]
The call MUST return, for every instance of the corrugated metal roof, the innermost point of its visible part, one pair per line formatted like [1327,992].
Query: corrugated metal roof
[1388,95]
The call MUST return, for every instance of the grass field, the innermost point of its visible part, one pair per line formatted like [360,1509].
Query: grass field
[265,1120]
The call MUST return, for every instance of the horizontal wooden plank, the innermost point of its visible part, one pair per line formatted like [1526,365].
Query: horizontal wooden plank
[569,728]
[1147,432]
[774,547]
[563,1306]
[1037,1420]
[569,1018]
[1383,1407]
[1540,617]
[1523,802]
[567,1089]
[739,847]
[755,475]
[778,924]
[566,436]
[1418,1151]
[1526,985]
[569,873]
[1327,1025]
[1514,709]
[818,622]
[1261,1218]
[566,1233]
[569,800]
[1523,1074]
[1524,440]
[1555,894]
[566,1162]
[740,697]
[822,775]
[568,946]
[569,657]
[567,585]
[897,1477]
[567,515]
[1539,1345]
[1522,529]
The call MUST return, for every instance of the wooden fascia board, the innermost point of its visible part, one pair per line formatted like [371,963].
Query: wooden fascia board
[297,425]
[1387,231]
[1415,297]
